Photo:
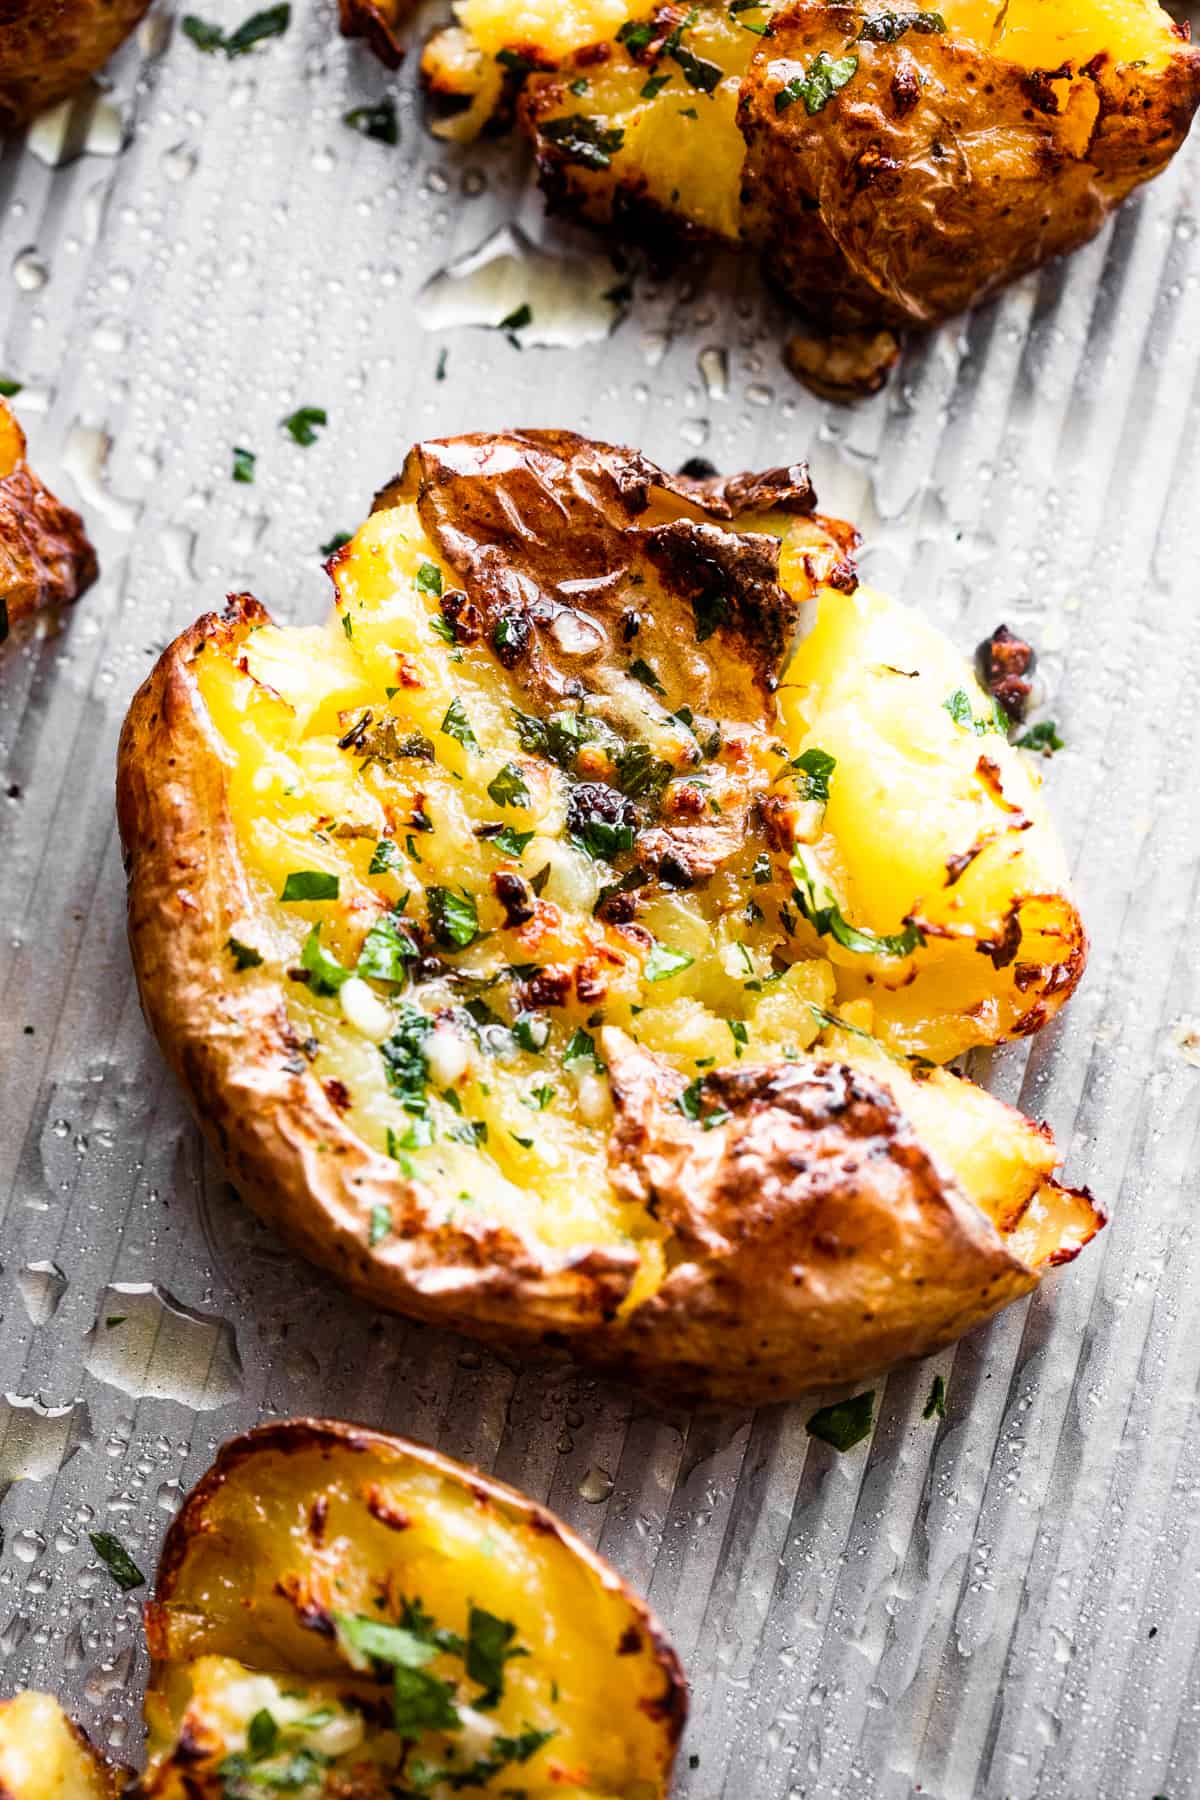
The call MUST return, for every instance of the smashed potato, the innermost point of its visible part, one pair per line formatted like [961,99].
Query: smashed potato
[894,166]
[45,556]
[498,928]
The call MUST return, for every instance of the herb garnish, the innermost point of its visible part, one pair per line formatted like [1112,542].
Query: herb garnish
[273,21]
[828,920]
[958,705]
[404,1058]
[890,27]
[936,1403]
[245,956]
[387,948]
[336,542]
[663,962]
[583,140]
[301,425]
[457,725]
[326,973]
[815,767]
[641,671]
[452,917]
[117,1560]
[507,787]
[845,1423]
[429,579]
[510,841]
[9,388]
[825,76]
[377,122]
[1043,736]
[310,884]
[243,464]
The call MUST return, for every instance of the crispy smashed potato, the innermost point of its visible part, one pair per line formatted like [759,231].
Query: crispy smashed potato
[343,1615]
[558,943]
[45,556]
[360,1616]
[48,48]
[44,1756]
[894,166]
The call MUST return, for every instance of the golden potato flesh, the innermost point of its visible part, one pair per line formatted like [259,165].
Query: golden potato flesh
[43,1756]
[48,48]
[343,1613]
[894,166]
[45,556]
[497,928]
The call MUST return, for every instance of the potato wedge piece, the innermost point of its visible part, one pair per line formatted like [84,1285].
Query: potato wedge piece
[44,1756]
[45,556]
[554,788]
[47,51]
[893,166]
[361,1613]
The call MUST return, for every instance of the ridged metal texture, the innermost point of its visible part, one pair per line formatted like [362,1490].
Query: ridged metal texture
[1006,1603]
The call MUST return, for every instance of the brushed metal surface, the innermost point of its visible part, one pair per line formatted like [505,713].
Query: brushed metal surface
[1003,1604]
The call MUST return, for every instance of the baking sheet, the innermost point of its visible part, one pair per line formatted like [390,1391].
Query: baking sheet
[1006,1603]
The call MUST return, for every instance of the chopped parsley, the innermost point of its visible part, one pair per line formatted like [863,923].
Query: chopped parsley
[490,1643]
[245,956]
[9,388]
[507,787]
[273,21]
[762,871]
[310,884]
[380,1225]
[600,821]
[814,769]
[532,1030]
[581,1047]
[457,725]
[452,917]
[326,974]
[404,1059]
[1043,736]
[301,425]
[583,140]
[243,464]
[654,87]
[387,948]
[510,841]
[385,858]
[641,671]
[117,1560]
[828,920]
[516,320]
[711,611]
[377,122]
[262,1734]
[936,1403]
[845,1423]
[816,87]
[958,705]
[429,579]
[640,772]
[663,963]
[336,542]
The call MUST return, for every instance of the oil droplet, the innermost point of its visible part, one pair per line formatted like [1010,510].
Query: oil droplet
[147,1344]
[41,1286]
[714,366]
[596,1485]
[36,1440]
[569,298]
[86,461]
[29,271]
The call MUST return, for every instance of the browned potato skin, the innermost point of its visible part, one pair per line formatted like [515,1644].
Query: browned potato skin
[45,556]
[48,48]
[863,224]
[378,23]
[815,1168]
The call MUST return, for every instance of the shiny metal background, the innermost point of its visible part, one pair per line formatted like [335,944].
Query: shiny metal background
[1003,1604]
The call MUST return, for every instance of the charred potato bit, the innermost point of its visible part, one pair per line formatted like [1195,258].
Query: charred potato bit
[577,979]
[893,166]
[45,557]
[47,51]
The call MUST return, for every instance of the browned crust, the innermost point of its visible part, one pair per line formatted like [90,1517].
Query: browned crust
[48,48]
[45,556]
[378,23]
[336,1437]
[900,205]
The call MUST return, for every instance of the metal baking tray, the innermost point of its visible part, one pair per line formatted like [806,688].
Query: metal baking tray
[1003,1604]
